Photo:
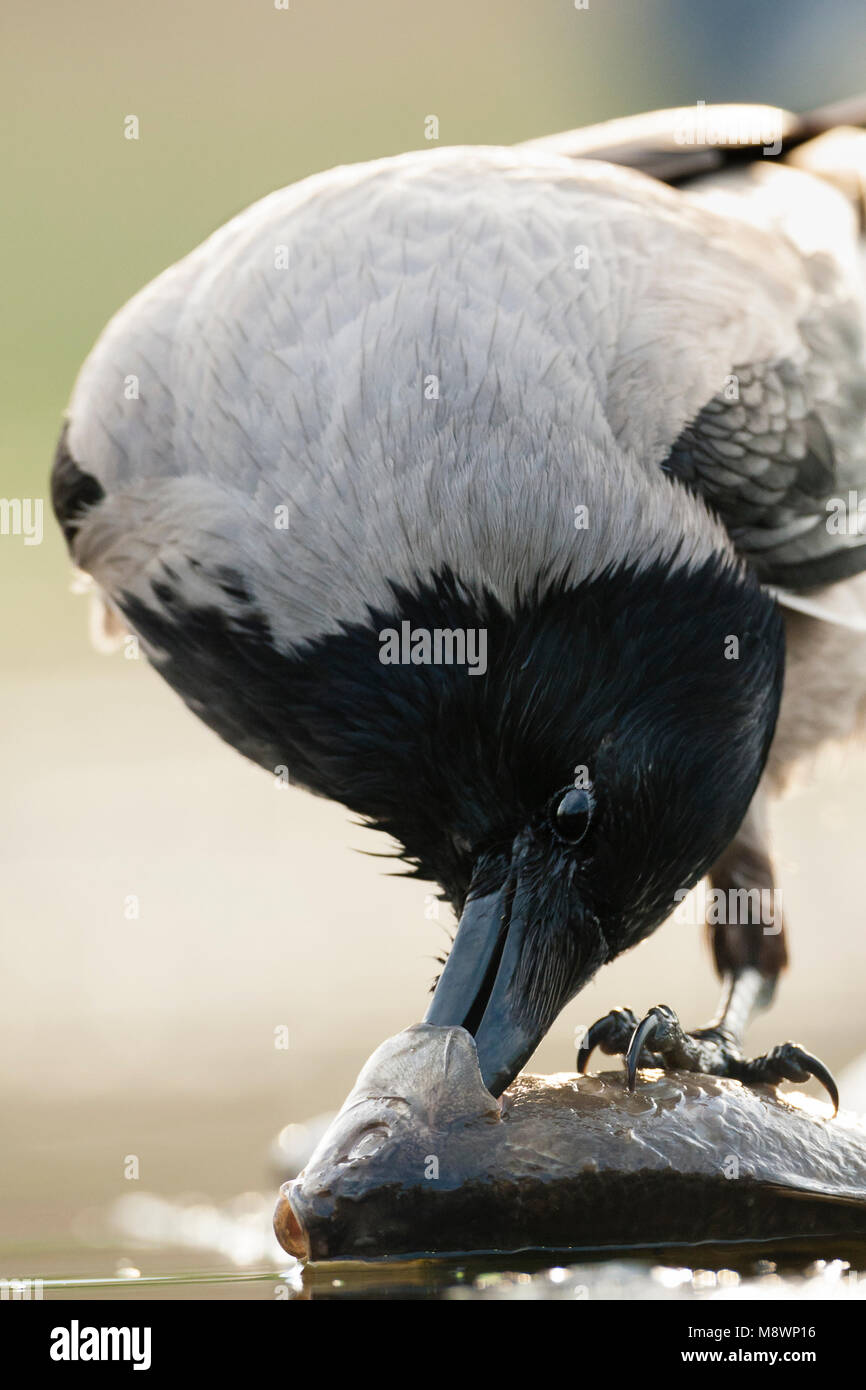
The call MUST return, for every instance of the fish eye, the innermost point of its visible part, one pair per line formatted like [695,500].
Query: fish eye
[572,814]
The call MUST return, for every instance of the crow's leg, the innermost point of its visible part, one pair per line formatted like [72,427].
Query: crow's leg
[748,940]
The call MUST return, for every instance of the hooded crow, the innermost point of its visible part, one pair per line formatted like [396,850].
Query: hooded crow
[466,485]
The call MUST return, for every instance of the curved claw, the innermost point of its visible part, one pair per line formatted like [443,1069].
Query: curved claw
[602,1032]
[825,1077]
[639,1038]
[796,1059]
[591,1040]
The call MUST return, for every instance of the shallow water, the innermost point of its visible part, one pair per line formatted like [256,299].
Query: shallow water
[482,1278]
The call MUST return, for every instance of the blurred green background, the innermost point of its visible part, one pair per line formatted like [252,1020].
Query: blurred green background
[155,1036]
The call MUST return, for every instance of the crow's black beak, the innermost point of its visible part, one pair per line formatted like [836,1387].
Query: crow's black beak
[482,985]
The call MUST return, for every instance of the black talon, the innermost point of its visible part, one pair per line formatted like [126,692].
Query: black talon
[643,1032]
[790,1062]
[826,1078]
[591,1040]
[610,1033]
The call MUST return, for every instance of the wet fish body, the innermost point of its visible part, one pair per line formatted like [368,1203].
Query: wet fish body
[422,1159]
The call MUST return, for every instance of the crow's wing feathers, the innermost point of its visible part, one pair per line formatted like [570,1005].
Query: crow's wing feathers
[781,446]
[778,451]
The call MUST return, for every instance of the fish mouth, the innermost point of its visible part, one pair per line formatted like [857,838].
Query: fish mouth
[288,1227]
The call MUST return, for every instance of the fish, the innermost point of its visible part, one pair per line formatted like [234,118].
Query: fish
[422,1160]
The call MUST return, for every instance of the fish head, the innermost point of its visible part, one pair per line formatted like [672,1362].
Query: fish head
[418,1094]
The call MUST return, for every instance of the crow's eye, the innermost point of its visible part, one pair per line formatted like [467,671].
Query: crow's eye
[573,814]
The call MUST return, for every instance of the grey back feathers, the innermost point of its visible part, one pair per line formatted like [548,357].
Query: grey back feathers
[432,361]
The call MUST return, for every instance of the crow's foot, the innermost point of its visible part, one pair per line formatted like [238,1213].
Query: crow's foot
[658,1040]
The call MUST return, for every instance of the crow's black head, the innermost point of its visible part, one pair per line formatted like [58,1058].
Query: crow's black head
[601,760]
